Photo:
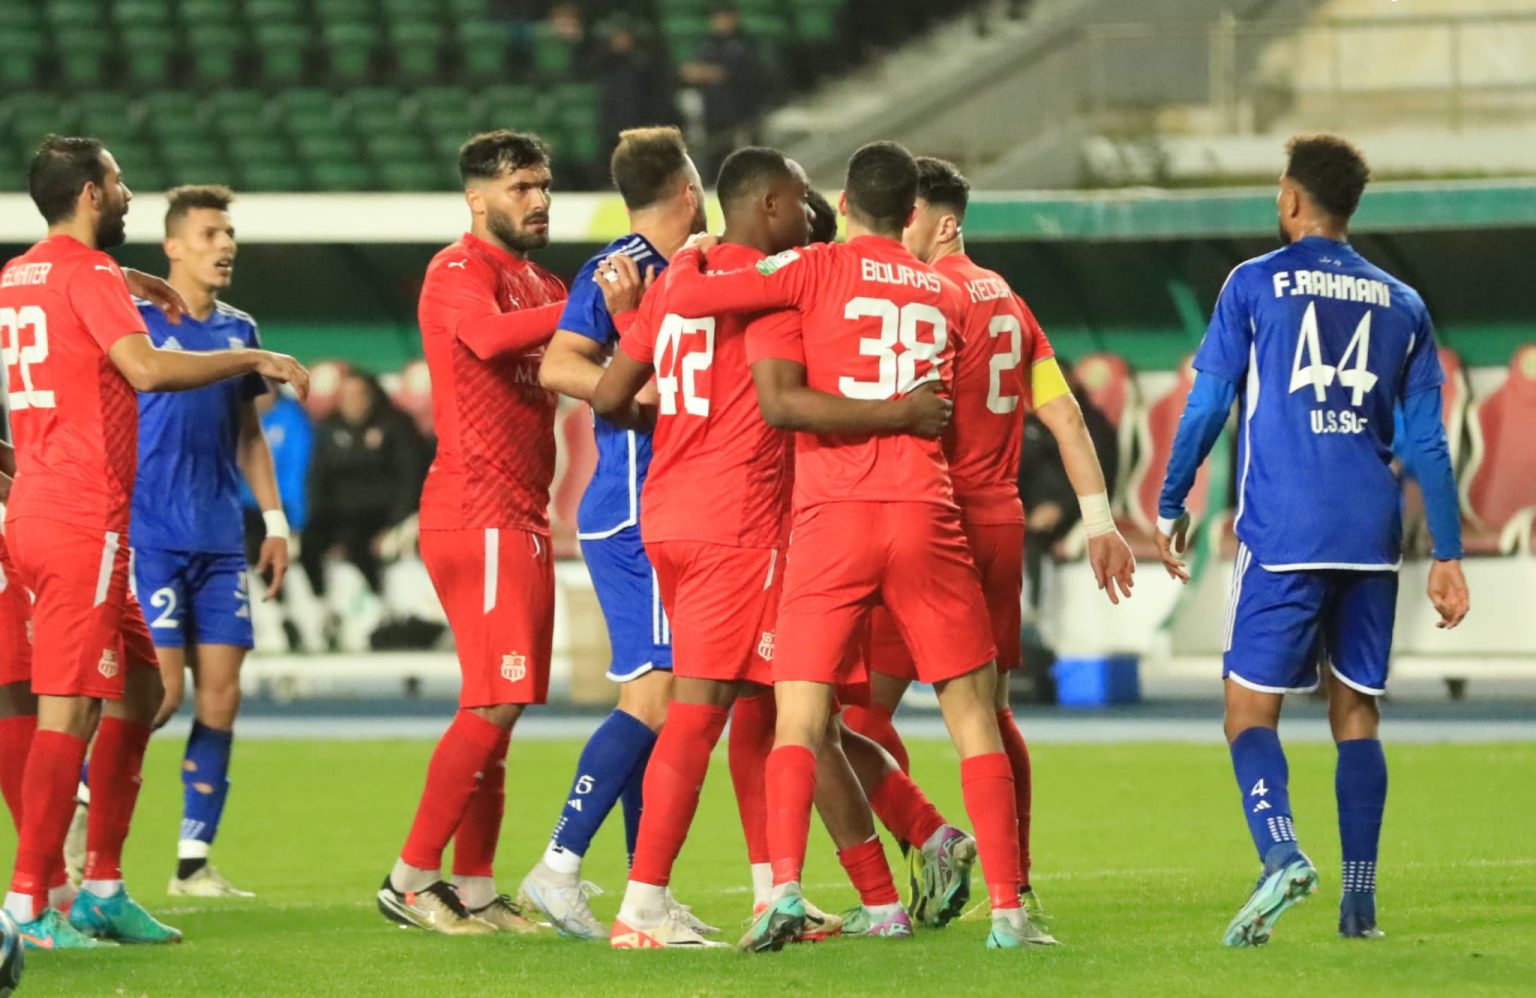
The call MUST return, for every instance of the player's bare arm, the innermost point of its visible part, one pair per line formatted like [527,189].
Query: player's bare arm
[157,291]
[255,458]
[787,403]
[149,369]
[1110,556]
[7,469]
[572,365]
[615,397]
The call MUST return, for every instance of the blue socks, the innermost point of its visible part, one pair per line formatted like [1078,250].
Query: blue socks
[1360,783]
[1263,778]
[613,758]
[205,788]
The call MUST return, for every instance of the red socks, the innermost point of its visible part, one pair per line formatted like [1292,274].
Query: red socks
[752,723]
[474,844]
[673,779]
[454,774]
[869,872]
[48,790]
[117,764]
[791,778]
[902,807]
[1023,790]
[874,722]
[15,741]
[987,781]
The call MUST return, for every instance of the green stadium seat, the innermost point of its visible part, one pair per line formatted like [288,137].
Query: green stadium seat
[329,12]
[259,12]
[239,112]
[445,145]
[450,111]
[200,13]
[398,148]
[411,176]
[511,105]
[462,10]
[376,109]
[147,53]
[73,14]
[215,49]
[416,45]
[554,57]
[417,10]
[21,51]
[82,53]
[34,115]
[309,111]
[141,13]
[283,48]
[171,109]
[767,24]
[351,45]
[321,146]
[287,176]
[108,116]
[192,160]
[482,50]
[342,175]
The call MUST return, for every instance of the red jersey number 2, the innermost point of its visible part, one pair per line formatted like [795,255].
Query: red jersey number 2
[685,349]
[32,320]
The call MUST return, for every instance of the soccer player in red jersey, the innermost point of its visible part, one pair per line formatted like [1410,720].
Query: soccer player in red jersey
[486,313]
[1005,365]
[712,518]
[875,518]
[76,351]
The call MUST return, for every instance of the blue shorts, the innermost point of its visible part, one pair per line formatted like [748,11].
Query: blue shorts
[638,630]
[193,597]
[1281,625]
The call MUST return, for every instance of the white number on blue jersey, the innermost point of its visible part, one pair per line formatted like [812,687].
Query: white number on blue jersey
[897,372]
[12,322]
[678,366]
[1004,362]
[1319,375]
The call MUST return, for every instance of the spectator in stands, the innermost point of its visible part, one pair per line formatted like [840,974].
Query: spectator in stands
[1051,511]
[636,84]
[731,75]
[365,480]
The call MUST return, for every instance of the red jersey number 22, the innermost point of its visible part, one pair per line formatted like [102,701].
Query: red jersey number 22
[684,350]
[34,321]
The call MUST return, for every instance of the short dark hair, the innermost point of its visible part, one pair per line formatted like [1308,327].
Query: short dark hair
[60,169]
[823,217]
[1329,168]
[749,171]
[180,201]
[940,183]
[882,185]
[484,156]
[646,164]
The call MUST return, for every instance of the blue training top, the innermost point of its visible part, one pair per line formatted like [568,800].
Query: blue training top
[1325,346]
[612,500]
[187,495]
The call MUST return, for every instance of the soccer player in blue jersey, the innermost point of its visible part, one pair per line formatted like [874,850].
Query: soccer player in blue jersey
[665,200]
[188,527]
[1321,346]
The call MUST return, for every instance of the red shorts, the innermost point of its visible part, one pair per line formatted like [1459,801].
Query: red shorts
[721,602]
[846,557]
[87,628]
[998,549]
[497,587]
[15,623]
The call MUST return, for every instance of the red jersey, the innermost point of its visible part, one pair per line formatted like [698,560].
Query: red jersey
[718,472]
[1000,343]
[495,425]
[74,418]
[875,322]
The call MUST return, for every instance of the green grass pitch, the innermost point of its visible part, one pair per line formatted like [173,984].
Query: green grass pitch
[1140,854]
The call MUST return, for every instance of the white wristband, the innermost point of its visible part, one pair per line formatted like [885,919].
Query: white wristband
[1097,518]
[277,523]
[1166,526]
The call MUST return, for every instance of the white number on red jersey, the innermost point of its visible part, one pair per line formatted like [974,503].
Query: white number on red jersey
[897,372]
[684,350]
[12,323]
[1004,361]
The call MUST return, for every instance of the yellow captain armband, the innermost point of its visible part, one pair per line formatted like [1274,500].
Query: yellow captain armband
[1046,382]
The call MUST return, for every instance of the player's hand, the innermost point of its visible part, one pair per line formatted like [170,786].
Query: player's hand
[925,412]
[1448,592]
[702,241]
[5,488]
[281,367]
[1113,565]
[158,292]
[618,276]
[1171,548]
[272,564]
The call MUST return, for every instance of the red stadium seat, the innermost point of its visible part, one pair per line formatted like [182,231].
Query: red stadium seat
[576,460]
[324,381]
[1156,428]
[1455,394]
[1498,490]
[413,394]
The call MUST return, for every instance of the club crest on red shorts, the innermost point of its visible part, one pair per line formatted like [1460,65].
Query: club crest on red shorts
[765,647]
[514,667]
[108,664]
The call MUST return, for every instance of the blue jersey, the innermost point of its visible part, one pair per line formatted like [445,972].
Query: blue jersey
[1323,345]
[187,494]
[612,500]
[290,437]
